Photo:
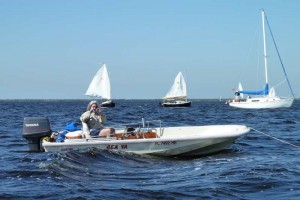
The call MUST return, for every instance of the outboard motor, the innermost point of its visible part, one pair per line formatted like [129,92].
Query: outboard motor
[34,128]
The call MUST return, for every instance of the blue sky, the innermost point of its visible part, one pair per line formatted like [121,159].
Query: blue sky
[51,49]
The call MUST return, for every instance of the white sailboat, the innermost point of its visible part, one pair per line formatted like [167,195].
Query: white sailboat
[177,95]
[100,87]
[264,98]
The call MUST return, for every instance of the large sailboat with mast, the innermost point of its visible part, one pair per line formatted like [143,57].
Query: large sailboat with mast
[265,98]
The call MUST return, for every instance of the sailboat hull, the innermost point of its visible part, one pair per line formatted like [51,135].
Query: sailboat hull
[262,103]
[108,104]
[176,104]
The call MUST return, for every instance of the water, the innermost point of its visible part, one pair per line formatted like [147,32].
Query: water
[255,167]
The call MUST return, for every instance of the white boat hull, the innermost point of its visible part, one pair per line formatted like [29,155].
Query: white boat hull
[173,141]
[263,102]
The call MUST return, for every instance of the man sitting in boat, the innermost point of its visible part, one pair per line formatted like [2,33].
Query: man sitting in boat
[94,119]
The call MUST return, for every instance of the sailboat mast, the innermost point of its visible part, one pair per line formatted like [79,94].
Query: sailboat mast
[265,49]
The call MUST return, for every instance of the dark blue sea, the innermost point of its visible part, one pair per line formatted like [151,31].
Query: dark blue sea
[256,166]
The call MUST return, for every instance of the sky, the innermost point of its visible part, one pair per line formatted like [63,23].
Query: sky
[51,49]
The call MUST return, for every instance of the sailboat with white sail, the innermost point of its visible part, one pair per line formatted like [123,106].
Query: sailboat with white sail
[265,98]
[100,87]
[177,95]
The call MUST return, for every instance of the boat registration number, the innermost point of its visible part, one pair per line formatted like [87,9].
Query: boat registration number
[165,143]
[123,146]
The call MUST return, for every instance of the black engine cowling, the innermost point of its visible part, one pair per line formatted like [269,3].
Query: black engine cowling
[34,128]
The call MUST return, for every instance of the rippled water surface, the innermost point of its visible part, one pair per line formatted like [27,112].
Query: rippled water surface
[257,166]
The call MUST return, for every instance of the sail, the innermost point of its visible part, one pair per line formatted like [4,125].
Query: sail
[100,85]
[265,91]
[272,92]
[240,88]
[178,89]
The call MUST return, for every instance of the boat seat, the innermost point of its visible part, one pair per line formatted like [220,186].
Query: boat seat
[74,135]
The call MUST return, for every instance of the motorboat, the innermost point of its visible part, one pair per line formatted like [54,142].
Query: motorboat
[146,137]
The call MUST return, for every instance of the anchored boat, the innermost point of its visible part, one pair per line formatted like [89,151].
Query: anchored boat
[263,98]
[138,138]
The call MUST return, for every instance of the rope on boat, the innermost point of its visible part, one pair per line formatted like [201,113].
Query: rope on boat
[280,140]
